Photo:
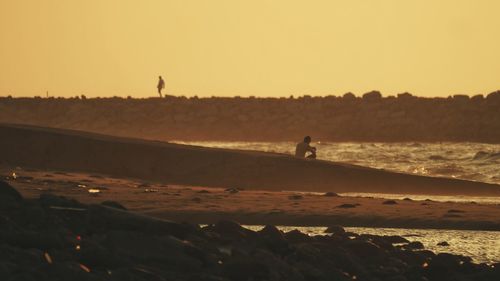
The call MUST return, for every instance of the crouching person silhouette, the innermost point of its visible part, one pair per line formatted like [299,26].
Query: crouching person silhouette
[303,147]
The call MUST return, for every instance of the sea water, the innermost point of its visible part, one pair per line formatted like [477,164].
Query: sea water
[468,161]
[481,246]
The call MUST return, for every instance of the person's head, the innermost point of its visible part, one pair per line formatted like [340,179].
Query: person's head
[159,77]
[307,139]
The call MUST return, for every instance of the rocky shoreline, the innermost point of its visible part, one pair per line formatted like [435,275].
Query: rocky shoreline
[56,238]
[370,118]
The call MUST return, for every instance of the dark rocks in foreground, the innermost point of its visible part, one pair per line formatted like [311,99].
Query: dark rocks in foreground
[55,238]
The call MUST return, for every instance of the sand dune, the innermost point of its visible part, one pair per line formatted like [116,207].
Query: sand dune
[47,148]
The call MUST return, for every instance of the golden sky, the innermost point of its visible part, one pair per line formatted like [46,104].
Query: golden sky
[249,47]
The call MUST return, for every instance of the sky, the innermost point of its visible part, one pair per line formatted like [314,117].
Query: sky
[249,47]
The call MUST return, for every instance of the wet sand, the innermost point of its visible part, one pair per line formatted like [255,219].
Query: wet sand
[206,205]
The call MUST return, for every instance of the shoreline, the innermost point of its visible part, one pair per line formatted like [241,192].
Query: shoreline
[206,205]
[207,218]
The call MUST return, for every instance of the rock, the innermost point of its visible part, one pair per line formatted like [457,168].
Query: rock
[8,194]
[380,241]
[245,269]
[480,155]
[364,249]
[461,98]
[331,194]
[405,96]
[494,96]
[49,200]
[296,236]
[42,240]
[415,245]
[477,98]
[390,202]
[351,234]
[108,243]
[23,276]
[273,239]
[445,266]
[347,206]
[336,229]
[306,252]
[114,204]
[232,230]
[270,231]
[103,218]
[443,243]
[232,190]
[395,239]
[69,270]
[279,268]
[295,197]
[349,96]
[96,255]
[372,96]
[455,211]
[146,248]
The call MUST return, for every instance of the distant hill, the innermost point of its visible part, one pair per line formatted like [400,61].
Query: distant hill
[371,118]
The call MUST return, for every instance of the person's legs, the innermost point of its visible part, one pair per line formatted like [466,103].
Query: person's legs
[312,156]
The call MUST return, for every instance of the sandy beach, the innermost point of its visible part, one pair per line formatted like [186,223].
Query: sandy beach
[69,150]
[95,206]
[204,185]
[203,205]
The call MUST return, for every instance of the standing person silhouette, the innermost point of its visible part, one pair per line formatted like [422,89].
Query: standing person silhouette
[161,85]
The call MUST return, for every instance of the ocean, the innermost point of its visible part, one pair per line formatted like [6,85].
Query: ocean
[468,161]
[480,246]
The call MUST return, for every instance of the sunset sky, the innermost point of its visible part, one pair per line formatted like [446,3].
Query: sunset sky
[251,47]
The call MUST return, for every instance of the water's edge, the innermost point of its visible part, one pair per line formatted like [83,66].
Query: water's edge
[481,246]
